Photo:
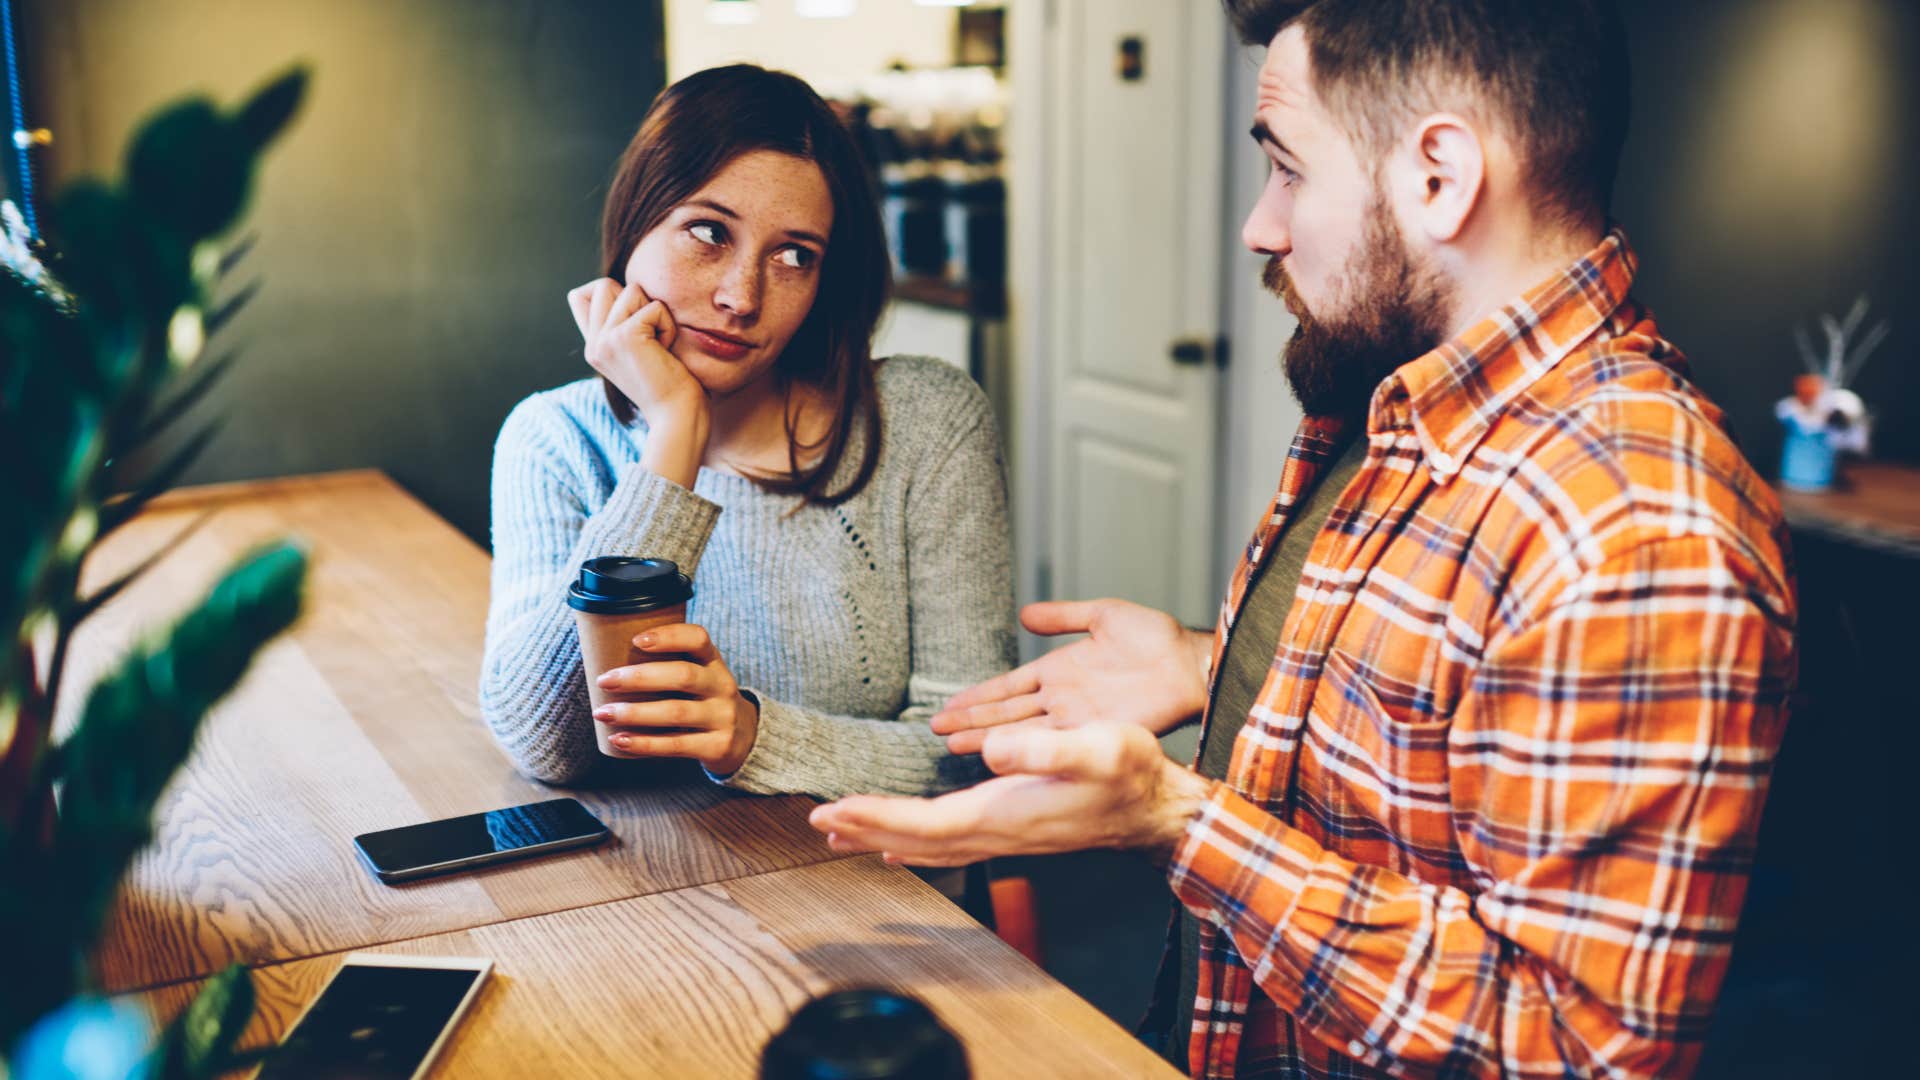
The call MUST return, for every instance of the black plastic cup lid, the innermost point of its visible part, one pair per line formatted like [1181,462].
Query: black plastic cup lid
[864,1034]
[620,585]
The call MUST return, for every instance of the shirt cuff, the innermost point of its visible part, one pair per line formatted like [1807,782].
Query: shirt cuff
[1236,859]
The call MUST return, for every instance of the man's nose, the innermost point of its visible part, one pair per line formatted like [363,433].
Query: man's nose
[1265,231]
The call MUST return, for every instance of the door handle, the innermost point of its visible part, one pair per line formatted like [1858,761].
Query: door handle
[1196,351]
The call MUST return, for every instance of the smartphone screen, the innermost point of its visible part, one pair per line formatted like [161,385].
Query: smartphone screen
[375,1022]
[454,843]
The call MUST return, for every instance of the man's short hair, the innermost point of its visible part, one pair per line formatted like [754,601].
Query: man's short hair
[1551,75]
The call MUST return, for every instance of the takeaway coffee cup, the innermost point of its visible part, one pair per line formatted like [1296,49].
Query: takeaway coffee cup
[614,599]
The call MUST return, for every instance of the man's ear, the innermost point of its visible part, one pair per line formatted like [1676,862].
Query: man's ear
[1444,176]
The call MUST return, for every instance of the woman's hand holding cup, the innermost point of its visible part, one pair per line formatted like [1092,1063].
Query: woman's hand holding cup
[707,718]
[628,338]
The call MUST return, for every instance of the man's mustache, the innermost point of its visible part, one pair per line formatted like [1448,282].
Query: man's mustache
[1274,277]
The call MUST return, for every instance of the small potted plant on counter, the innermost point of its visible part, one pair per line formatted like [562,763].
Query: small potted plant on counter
[1823,417]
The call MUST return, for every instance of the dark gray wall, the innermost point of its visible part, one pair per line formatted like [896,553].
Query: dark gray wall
[1770,176]
[419,225]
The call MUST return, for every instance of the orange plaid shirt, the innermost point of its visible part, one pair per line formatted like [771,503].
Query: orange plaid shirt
[1494,808]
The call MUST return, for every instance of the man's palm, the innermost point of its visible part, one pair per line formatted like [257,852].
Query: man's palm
[1137,666]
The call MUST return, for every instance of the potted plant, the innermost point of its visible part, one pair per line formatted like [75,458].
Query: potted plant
[102,331]
[1823,417]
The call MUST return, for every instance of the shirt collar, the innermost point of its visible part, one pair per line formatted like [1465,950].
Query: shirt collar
[1452,395]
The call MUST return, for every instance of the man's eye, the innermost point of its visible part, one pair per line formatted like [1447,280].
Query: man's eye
[796,257]
[707,232]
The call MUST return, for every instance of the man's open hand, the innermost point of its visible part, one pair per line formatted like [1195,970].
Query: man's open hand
[1139,667]
[1105,786]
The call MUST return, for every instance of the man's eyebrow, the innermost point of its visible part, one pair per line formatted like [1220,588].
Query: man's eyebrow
[726,211]
[1263,134]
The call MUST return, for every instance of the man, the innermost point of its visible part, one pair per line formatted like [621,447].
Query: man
[1490,710]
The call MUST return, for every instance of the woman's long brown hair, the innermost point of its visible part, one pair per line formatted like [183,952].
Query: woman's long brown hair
[694,128]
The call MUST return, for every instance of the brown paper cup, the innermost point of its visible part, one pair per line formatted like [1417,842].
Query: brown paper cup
[606,642]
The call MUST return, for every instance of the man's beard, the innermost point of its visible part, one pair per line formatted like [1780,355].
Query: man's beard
[1395,311]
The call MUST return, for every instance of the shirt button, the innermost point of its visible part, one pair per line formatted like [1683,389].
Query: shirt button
[1357,1048]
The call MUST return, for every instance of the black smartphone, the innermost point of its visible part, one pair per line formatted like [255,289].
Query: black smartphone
[461,843]
[380,1017]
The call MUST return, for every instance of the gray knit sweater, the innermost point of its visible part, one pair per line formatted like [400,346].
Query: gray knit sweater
[850,625]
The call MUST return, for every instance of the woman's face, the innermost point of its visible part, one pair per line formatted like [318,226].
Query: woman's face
[738,265]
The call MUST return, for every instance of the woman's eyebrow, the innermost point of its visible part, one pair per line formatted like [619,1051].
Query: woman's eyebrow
[728,212]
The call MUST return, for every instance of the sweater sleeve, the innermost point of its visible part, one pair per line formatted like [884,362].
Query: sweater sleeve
[532,692]
[960,577]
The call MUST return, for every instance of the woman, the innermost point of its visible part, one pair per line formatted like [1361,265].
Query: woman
[844,520]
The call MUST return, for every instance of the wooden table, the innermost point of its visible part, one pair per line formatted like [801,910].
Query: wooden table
[364,717]
[692,983]
[683,943]
[1877,504]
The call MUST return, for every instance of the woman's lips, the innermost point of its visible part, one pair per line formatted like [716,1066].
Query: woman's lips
[716,345]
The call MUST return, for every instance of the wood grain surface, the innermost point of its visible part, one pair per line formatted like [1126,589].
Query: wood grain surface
[1876,503]
[365,717]
[692,983]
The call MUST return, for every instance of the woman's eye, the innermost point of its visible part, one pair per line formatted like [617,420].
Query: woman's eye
[707,232]
[796,257]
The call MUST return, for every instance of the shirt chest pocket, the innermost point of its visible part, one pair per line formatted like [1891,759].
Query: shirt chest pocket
[1373,766]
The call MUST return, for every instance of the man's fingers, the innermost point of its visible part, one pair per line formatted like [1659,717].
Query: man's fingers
[1021,680]
[933,820]
[927,832]
[986,715]
[973,740]
[1070,754]
[1059,616]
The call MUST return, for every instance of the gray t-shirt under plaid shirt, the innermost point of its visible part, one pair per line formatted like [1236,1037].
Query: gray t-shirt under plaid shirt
[1243,671]
[850,624]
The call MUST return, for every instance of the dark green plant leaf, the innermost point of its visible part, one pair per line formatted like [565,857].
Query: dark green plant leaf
[267,114]
[120,509]
[224,314]
[90,223]
[78,385]
[200,1040]
[189,169]
[233,255]
[201,378]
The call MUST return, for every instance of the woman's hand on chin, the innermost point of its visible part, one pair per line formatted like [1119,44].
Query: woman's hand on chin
[628,338]
[701,715]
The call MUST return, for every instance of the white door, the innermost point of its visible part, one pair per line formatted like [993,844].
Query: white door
[1136,99]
